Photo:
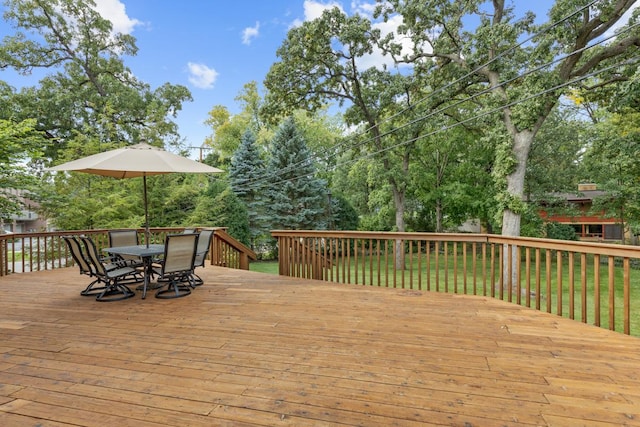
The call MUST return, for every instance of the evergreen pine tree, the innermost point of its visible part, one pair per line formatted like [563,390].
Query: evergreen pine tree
[296,198]
[246,177]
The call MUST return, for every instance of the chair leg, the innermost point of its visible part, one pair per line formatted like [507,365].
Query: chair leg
[115,292]
[92,290]
[195,280]
[175,289]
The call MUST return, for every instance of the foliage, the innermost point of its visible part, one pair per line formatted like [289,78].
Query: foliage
[87,103]
[296,198]
[558,231]
[90,89]
[342,215]
[229,129]
[493,66]
[19,143]
[324,60]
[612,161]
[556,152]
[246,177]
[225,210]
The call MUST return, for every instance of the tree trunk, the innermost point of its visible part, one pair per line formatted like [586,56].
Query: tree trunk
[398,199]
[438,216]
[515,181]
[515,187]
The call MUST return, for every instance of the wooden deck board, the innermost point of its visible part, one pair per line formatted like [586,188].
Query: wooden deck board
[248,349]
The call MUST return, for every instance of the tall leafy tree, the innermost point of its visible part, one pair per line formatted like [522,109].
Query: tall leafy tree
[229,129]
[296,198]
[89,101]
[451,179]
[247,177]
[611,161]
[89,90]
[19,144]
[491,59]
[322,61]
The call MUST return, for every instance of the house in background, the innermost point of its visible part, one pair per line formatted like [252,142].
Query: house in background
[27,220]
[588,225]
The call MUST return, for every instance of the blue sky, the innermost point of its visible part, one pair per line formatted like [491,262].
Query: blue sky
[214,47]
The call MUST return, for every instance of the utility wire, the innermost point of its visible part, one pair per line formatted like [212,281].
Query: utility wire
[443,88]
[335,150]
[629,61]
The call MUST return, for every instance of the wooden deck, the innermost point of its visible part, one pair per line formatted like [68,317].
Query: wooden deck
[249,349]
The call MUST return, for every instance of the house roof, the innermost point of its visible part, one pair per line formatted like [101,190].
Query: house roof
[582,196]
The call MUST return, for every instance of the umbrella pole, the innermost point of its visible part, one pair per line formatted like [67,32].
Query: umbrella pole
[146,211]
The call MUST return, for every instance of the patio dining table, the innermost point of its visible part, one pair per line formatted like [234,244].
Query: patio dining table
[146,253]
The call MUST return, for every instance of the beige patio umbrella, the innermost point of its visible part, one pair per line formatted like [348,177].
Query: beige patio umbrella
[140,160]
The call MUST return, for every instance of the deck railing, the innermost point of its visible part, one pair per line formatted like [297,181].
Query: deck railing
[229,252]
[27,252]
[587,281]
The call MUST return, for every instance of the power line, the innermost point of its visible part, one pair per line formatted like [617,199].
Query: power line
[629,61]
[443,88]
[335,150]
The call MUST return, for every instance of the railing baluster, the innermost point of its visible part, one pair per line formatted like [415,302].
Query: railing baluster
[445,245]
[596,289]
[437,265]
[428,256]
[518,277]
[559,283]
[386,263]
[454,252]
[484,269]
[501,271]
[464,268]
[612,295]
[410,264]
[572,288]
[528,276]
[538,277]
[547,259]
[627,295]
[419,250]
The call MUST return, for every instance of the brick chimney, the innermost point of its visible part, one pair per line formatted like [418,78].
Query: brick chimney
[587,187]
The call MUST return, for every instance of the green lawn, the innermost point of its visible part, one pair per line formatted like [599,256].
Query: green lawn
[270,267]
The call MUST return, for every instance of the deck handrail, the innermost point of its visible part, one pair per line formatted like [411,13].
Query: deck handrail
[37,251]
[229,252]
[587,281]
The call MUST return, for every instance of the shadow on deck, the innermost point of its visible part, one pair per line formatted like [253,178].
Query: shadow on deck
[249,349]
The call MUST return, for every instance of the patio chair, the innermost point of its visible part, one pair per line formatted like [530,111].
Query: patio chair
[125,238]
[177,265]
[188,231]
[80,258]
[114,279]
[204,244]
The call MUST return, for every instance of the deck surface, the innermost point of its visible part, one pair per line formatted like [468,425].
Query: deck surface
[249,349]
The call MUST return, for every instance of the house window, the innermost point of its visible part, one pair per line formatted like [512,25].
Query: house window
[593,230]
[613,232]
[578,229]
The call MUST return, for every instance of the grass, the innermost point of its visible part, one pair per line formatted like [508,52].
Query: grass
[269,267]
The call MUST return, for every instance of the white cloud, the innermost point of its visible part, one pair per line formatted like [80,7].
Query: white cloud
[364,8]
[115,11]
[377,58]
[250,33]
[623,20]
[201,76]
[313,9]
